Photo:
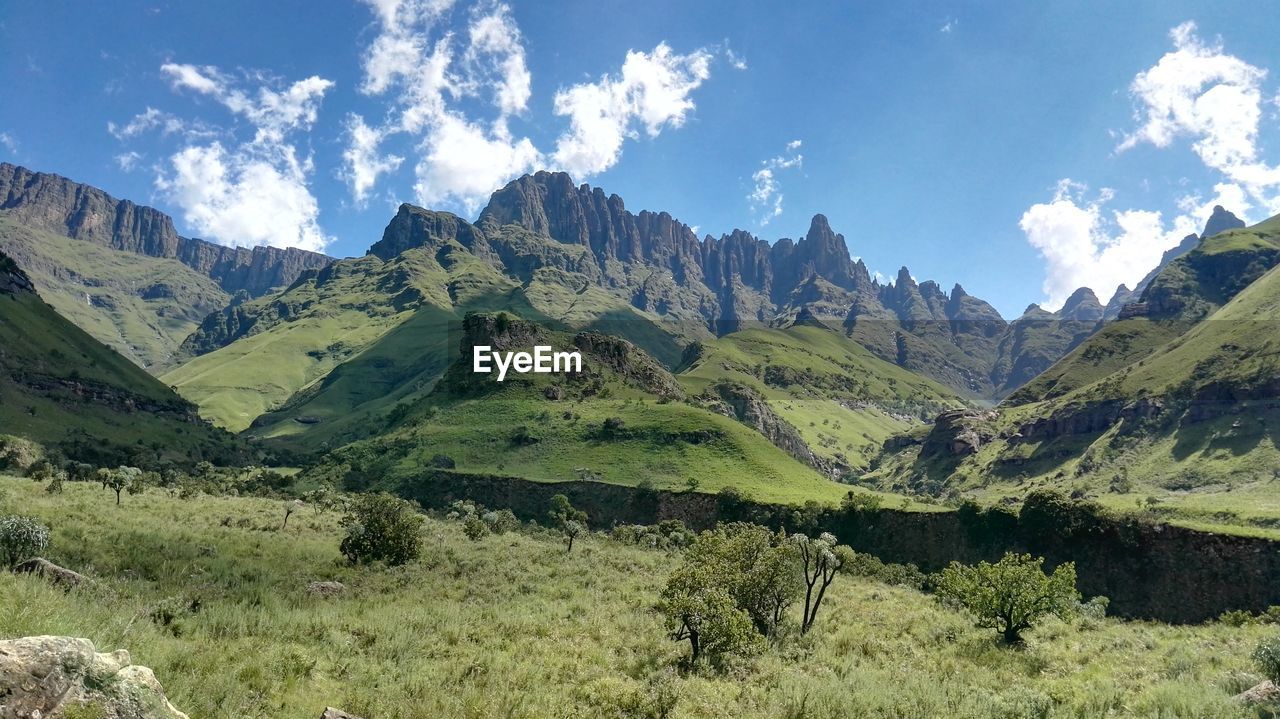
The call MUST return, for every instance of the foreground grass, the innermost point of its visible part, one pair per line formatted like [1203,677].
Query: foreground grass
[513,626]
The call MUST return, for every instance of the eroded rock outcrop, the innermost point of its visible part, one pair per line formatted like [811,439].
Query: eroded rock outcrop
[48,676]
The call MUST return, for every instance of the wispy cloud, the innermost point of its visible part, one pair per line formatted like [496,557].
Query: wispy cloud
[766,194]
[9,142]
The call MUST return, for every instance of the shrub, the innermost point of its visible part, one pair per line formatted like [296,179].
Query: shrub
[1267,657]
[442,461]
[381,528]
[21,538]
[475,528]
[1011,595]
[501,521]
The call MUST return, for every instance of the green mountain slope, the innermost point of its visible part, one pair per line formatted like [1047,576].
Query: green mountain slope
[843,399]
[624,419]
[385,325]
[1185,412]
[142,307]
[64,389]
[1189,289]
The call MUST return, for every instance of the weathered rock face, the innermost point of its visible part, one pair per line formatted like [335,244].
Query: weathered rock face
[65,207]
[959,432]
[332,713]
[326,589]
[47,676]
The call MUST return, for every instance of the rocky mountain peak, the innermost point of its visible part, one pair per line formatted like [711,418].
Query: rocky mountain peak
[1220,221]
[1082,305]
[414,227]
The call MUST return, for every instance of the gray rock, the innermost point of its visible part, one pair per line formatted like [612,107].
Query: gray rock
[326,589]
[52,572]
[1260,694]
[45,676]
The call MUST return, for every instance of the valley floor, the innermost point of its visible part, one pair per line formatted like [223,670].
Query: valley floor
[211,594]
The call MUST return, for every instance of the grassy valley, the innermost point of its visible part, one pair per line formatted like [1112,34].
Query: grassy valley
[212,594]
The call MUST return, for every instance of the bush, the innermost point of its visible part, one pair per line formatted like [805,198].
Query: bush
[475,528]
[501,521]
[381,528]
[21,538]
[1011,595]
[1267,657]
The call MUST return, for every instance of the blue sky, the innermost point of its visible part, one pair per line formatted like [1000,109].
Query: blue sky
[1021,149]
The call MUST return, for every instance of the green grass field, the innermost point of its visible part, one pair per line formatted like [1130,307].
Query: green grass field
[512,626]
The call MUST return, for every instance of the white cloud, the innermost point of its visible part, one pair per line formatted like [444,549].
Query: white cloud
[363,163]
[766,194]
[949,26]
[244,198]
[153,119]
[461,159]
[463,163]
[1198,93]
[238,192]
[10,143]
[1084,245]
[653,90]
[736,61]
[127,161]
[455,94]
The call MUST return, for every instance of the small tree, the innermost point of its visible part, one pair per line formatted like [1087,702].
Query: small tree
[383,528]
[573,522]
[290,506]
[1011,595]
[572,530]
[698,604]
[820,560]
[475,528]
[21,538]
[119,479]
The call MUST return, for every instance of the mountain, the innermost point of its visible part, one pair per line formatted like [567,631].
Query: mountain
[64,389]
[622,419]
[1178,399]
[659,265]
[121,271]
[1039,338]
[1220,221]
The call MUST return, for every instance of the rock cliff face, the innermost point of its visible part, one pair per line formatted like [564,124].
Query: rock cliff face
[64,207]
